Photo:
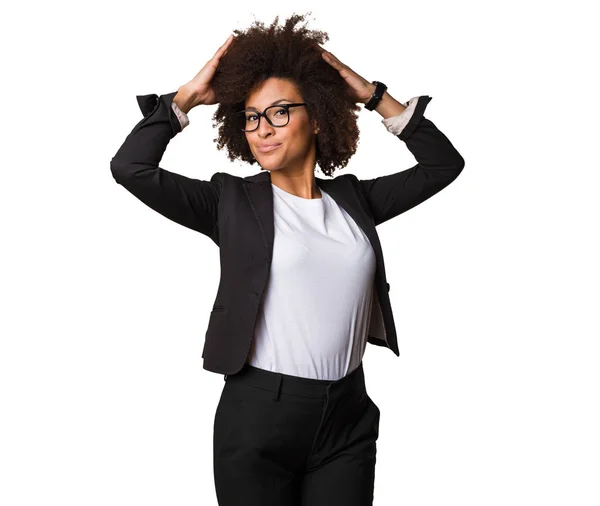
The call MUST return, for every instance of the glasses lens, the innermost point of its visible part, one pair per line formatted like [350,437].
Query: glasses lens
[276,113]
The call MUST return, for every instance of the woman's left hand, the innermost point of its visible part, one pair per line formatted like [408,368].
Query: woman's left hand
[361,88]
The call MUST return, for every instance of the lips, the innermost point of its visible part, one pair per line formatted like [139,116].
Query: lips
[266,149]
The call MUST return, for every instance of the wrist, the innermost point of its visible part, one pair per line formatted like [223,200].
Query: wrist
[388,106]
[372,88]
[185,99]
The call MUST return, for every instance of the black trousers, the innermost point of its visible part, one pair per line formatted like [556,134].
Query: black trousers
[282,440]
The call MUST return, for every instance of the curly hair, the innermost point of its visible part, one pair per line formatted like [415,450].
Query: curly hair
[262,52]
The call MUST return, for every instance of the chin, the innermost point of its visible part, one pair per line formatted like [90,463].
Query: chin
[269,167]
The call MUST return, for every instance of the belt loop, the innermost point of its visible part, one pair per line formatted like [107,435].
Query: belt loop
[278,389]
[225,378]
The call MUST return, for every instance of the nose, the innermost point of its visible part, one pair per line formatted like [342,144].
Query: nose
[264,127]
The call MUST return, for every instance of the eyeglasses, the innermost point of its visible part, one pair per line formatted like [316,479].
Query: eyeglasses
[276,115]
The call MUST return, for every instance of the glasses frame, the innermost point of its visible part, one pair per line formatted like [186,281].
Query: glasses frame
[261,114]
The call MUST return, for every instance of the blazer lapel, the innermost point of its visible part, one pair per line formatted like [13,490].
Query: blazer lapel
[260,195]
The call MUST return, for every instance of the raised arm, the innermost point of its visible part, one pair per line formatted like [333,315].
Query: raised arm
[439,163]
[190,202]
[193,203]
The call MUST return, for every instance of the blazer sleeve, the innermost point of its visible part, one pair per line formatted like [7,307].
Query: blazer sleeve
[190,202]
[439,163]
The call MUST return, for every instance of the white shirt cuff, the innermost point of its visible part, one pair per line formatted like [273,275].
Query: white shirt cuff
[181,116]
[395,124]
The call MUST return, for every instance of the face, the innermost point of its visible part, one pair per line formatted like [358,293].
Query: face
[297,146]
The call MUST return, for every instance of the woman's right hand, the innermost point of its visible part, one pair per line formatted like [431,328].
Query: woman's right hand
[200,87]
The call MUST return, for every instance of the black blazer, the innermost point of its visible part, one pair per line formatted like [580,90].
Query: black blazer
[237,214]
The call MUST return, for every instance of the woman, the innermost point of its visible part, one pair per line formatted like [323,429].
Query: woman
[303,285]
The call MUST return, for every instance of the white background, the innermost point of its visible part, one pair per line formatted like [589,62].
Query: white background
[494,282]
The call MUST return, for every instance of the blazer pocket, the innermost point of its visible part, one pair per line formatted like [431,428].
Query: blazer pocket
[218,308]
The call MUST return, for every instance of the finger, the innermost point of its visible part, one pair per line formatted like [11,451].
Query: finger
[223,48]
[335,59]
[334,62]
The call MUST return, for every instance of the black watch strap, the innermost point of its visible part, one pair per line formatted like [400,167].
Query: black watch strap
[376,97]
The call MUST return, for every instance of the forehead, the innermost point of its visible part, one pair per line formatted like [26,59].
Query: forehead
[272,89]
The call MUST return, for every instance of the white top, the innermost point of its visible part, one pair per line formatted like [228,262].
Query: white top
[315,315]
[315,311]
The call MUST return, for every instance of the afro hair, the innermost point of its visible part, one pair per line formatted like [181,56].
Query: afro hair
[260,53]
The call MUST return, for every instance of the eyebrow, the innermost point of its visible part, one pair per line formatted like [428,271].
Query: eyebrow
[276,102]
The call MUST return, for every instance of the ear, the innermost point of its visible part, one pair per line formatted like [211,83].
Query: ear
[315,126]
